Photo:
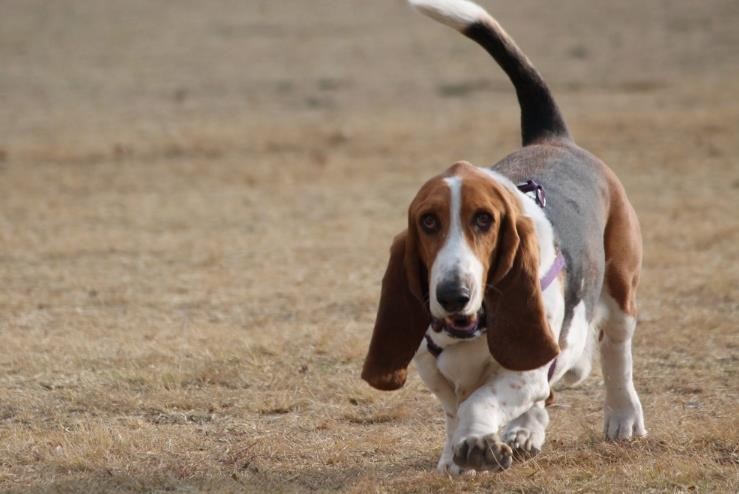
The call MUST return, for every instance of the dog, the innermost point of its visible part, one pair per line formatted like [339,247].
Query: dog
[504,275]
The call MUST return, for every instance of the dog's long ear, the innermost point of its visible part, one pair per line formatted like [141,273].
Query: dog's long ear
[402,317]
[519,336]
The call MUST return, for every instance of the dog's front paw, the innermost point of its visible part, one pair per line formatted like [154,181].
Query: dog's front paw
[448,467]
[483,453]
[525,443]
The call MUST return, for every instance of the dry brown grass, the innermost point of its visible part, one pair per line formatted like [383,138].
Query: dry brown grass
[196,201]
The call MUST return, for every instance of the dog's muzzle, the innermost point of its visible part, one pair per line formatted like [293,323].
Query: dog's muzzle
[461,326]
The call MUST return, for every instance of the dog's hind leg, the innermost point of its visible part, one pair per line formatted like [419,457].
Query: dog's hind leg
[623,412]
[624,418]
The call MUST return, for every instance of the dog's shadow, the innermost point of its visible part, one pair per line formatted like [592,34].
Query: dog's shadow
[263,478]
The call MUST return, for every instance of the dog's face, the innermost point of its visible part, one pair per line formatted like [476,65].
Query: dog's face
[467,262]
[456,219]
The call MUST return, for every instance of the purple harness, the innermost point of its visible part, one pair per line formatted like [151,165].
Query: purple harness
[557,266]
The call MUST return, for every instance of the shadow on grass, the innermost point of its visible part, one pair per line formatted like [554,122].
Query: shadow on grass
[281,479]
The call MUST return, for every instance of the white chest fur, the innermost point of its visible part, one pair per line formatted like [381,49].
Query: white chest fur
[467,365]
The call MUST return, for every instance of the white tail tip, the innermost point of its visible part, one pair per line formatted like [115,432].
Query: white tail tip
[457,14]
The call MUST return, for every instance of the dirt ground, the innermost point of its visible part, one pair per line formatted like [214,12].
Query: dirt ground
[196,202]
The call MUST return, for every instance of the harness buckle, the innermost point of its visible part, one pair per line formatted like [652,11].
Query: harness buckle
[535,187]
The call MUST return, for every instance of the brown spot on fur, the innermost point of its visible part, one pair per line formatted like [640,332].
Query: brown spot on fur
[623,247]
[433,198]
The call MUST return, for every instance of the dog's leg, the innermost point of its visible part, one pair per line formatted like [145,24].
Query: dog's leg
[623,411]
[442,388]
[575,360]
[525,435]
[623,248]
[506,396]
[446,461]
[580,370]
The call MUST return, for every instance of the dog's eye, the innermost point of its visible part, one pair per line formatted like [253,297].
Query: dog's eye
[483,221]
[430,223]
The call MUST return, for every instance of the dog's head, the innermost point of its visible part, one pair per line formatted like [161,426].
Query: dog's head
[468,260]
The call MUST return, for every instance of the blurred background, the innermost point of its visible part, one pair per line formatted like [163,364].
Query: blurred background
[196,202]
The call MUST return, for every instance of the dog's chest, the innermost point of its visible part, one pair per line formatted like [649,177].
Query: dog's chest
[467,365]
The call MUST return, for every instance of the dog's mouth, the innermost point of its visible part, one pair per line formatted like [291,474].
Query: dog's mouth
[461,325]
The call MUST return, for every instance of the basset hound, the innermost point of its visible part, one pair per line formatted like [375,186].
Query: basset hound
[498,286]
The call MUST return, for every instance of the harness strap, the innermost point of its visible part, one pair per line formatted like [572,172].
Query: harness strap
[433,348]
[553,271]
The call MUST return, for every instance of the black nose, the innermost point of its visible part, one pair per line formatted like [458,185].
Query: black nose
[453,296]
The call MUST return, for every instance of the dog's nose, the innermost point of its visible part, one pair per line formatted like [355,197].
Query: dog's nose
[453,296]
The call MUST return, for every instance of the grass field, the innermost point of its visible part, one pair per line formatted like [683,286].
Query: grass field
[196,202]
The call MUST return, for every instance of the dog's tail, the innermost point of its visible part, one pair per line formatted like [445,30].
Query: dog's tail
[540,116]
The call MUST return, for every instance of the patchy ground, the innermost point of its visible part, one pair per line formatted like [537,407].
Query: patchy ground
[196,201]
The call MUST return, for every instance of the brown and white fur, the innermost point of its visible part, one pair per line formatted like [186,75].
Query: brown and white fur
[470,263]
